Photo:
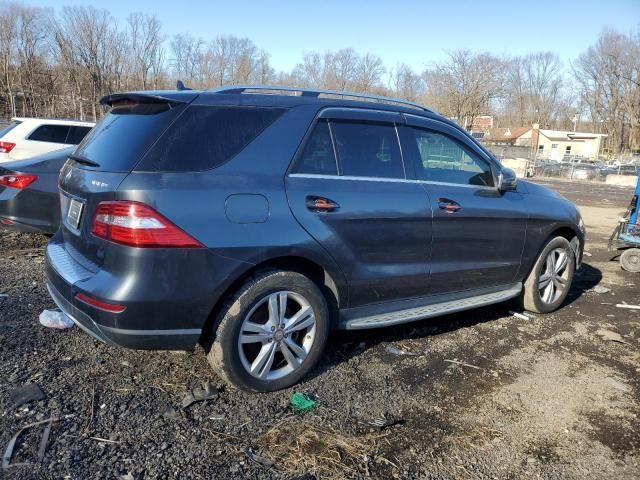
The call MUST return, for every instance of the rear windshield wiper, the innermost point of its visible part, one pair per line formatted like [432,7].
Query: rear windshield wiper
[85,160]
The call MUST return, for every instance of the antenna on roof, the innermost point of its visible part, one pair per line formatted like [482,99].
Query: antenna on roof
[180,86]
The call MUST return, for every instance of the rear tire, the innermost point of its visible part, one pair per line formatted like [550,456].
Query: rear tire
[549,281]
[271,332]
[630,260]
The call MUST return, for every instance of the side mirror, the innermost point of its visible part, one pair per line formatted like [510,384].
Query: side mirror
[507,180]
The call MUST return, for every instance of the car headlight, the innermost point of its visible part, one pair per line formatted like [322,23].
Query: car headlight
[581,224]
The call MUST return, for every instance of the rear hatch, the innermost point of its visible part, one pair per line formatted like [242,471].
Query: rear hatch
[103,160]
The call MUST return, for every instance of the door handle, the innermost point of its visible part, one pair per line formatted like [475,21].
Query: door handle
[449,206]
[321,204]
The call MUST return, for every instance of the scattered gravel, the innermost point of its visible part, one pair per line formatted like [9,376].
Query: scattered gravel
[482,394]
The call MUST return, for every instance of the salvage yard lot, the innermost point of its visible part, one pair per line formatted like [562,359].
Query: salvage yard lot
[479,394]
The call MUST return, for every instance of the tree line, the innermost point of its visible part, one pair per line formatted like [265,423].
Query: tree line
[59,63]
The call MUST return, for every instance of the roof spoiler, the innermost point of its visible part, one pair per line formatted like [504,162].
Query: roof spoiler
[109,100]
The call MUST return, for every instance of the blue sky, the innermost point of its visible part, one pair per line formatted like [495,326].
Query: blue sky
[413,32]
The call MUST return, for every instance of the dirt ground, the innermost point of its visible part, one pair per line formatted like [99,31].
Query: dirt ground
[482,395]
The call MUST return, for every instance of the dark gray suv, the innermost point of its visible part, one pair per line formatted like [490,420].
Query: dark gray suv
[255,219]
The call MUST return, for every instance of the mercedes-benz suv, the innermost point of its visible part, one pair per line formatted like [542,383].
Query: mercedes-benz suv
[255,219]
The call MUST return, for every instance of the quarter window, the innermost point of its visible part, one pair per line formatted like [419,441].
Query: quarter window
[50,133]
[443,159]
[318,156]
[206,137]
[368,149]
[76,134]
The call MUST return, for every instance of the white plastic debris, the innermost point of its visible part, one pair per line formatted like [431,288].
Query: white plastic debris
[55,319]
[521,316]
[600,289]
[630,307]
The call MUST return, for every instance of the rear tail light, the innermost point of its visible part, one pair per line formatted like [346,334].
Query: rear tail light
[94,302]
[17,180]
[6,147]
[138,225]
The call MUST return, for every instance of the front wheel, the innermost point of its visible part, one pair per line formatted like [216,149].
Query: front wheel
[271,333]
[549,282]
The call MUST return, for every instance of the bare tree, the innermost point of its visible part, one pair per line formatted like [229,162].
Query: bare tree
[464,86]
[89,37]
[60,62]
[8,34]
[608,77]
[368,73]
[230,60]
[405,83]
[311,71]
[187,55]
[145,37]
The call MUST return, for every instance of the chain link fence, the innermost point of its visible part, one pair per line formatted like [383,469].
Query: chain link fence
[527,163]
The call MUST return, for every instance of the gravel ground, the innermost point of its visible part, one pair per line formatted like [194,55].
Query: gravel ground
[484,394]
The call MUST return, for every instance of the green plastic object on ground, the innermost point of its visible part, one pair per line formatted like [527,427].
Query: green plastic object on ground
[302,402]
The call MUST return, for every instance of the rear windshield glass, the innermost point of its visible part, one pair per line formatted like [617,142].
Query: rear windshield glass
[205,137]
[8,128]
[120,139]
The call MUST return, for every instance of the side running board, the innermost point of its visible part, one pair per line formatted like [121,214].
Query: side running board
[432,309]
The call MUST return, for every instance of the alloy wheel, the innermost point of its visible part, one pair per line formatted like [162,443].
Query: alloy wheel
[554,277]
[277,335]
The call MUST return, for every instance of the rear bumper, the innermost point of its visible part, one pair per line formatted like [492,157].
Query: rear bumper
[151,320]
[135,339]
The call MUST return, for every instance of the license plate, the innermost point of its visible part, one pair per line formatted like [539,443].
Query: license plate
[74,213]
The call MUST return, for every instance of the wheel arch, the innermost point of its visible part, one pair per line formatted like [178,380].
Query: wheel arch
[565,230]
[334,291]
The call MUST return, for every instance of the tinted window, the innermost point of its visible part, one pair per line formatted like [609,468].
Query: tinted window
[120,139]
[442,159]
[8,128]
[318,156]
[76,134]
[368,149]
[50,133]
[206,137]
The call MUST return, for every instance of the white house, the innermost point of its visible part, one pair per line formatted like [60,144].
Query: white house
[553,144]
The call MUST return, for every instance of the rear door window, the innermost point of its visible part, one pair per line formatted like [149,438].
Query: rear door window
[76,134]
[318,156]
[120,139]
[368,149]
[205,137]
[50,133]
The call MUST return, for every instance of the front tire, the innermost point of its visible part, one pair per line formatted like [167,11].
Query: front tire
[271,332]
[549,281]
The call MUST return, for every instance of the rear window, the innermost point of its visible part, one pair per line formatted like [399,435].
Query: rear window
[50,133]
[205,137]
[120,139]
[8,128]
[76,134]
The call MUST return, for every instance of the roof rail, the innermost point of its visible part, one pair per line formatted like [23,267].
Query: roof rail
[312,92]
